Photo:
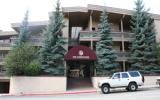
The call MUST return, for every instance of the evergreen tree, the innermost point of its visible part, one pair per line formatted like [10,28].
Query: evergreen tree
[24,31]
[143,47]
[138,45]
[52,51]
[150,41]
[106,58]
[23,58]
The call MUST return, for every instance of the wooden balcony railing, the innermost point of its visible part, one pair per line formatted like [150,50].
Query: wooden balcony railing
[115,35]
[2,44]
[122,55]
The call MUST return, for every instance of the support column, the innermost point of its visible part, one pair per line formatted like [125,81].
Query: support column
[124,65]
[90,29]
[122,38]
[91,42]
[65,68]
[90,21]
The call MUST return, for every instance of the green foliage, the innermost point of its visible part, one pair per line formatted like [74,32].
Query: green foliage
[106,58]
[150,41]
[52,51]
[33,69]
[19,58]
[138,44]
[143,46]
[24,31]
[157,52]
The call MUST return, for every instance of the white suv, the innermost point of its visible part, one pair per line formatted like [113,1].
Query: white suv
[130,80]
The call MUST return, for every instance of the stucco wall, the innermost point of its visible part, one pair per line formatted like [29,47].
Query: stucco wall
[149,80]
[66,28]
[95,81]
[20,85]
[157,28]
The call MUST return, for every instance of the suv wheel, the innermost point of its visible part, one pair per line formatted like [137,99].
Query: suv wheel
[105,89]
[132,86]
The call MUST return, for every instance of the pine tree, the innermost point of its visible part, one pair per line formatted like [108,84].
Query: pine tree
[138,45]
[106,58]
[143,47]
[52,52]
[150,37]
[24,31]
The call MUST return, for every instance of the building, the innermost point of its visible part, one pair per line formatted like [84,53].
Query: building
[81,26]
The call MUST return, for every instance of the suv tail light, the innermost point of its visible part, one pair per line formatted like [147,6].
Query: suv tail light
[142,78]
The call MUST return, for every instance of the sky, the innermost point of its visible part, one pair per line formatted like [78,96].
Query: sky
[12,11]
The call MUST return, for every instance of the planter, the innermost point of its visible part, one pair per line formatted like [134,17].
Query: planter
[95,81]
[150,80]
[31,85]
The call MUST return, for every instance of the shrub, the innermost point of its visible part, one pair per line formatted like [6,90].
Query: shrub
[19,58]
[33,69]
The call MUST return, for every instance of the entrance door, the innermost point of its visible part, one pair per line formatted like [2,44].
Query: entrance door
[78,69]
[79,75]
[4,87]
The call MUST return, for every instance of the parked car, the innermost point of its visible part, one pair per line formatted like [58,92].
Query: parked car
[158,81]
[130,80]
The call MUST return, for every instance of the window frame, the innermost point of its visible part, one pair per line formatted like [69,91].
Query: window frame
[124,77]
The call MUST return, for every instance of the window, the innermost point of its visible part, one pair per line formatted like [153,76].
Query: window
[134,74]
[125,75]
[116,76]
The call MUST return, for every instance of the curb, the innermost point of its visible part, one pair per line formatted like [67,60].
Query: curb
[68,92]
[50,94]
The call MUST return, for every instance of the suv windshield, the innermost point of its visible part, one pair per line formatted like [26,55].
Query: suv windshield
[134,74]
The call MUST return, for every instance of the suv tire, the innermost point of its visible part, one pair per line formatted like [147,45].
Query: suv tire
[105,89]
[132,87]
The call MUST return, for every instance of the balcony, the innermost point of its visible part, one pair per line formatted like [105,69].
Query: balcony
[116,36]
[2,60]
[2,71]
[5,46]
[35,41]
[72,42]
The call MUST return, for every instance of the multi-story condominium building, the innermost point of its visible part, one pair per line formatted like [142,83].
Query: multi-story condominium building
[81,25]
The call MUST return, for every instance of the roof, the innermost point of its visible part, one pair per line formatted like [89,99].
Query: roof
[7,33]
[32,25]
[90,7]
[101,8]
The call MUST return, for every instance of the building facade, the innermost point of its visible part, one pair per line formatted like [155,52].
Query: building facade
[81,27]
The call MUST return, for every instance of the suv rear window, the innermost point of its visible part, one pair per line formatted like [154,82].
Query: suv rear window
[134,74]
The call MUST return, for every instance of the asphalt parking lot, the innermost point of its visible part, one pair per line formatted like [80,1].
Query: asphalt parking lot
[141,94]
